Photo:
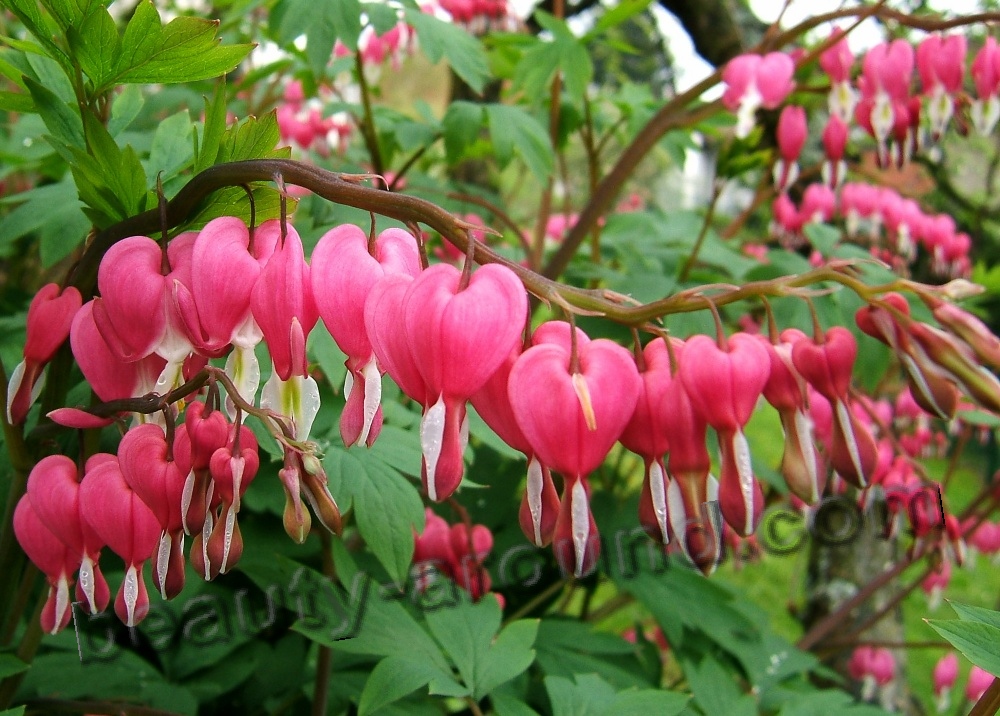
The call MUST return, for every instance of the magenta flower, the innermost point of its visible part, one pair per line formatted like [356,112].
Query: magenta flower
[458,337]
[124,522]
[54,490]
[573,423]
[941,66]
[754,81]
[792,134]
[343,274]
[283,306]
[54,558]
[50,315]
[724,384]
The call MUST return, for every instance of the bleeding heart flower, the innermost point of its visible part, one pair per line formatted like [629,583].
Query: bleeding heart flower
[54,487]
[827,366]
[458,337]
[50,315]
[283,306]
[124,522]
[646,434]
[148,466]
[109,376]
[233,468]
[540,503]
[343,274]
[724,385]
[572,423]
[131,315]
[54,558]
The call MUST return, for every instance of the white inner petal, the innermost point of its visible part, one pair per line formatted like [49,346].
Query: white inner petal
[580,518]
[62,601]
[373,396]
[228,539]
[431,439]
[130,589]
[804,434]
[243,369]
[87,582]
[852,445]
[163,562]
[744,468]
[533,491]
[187,494]
[656,490]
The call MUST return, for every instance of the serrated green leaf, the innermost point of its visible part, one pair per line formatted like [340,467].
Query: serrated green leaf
[388,509]
[463,52]
[467,631]
[253,138]
[185,50]
[393,678]
[512,128]
[28,13]
[323,23]
[585,695]
[96,46]
[60,119]
[70,12]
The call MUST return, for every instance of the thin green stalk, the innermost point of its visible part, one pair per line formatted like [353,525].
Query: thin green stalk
[705,226]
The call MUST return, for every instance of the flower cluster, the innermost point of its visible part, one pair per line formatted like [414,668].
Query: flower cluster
[448,337]
[880,102]
[301,121]
[456,552]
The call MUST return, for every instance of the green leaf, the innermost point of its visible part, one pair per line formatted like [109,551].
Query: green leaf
[16,711]
[568,647]
[323,23]
[467,633]
[649,701]
[393,678]
[213,130]
[70,12]
[590,695]
[125,109]
[513,128]
[253,138]
[461,125]
[979,641]
[440,39]
[388,509]
[186,50]
[16,102]
[508,705]
[822,236]
[28,13]
[715,691]
[97,47]
[60,119]
[969,613]
[616,15]
[171,150]
[10,665]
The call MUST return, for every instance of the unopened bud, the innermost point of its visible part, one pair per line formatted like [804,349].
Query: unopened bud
[322,502]
[296,518]
[981,385]
[970,329]
[312,464]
